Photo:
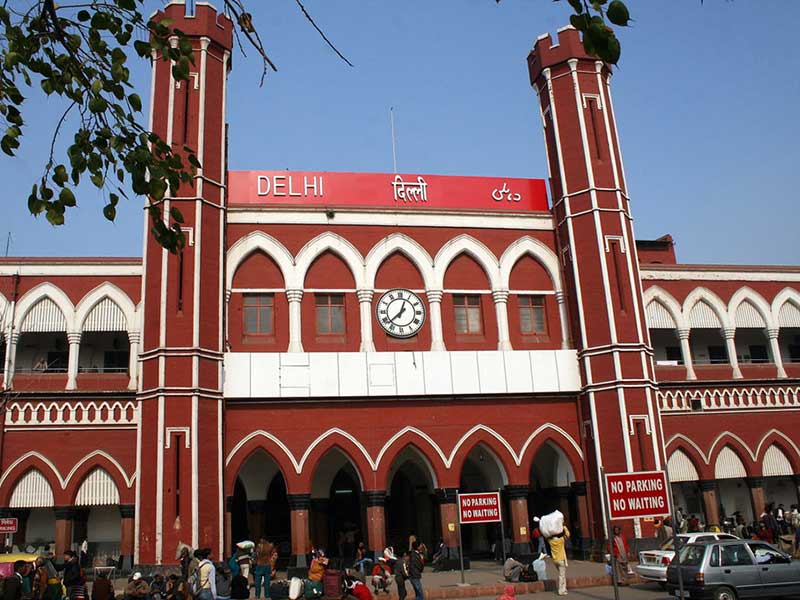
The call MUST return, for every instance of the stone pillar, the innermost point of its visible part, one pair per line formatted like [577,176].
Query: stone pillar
[686,352]
[74,339]
[520,522]
[365,305]
[319,522]
[11,359]
[581,530]
[563,317]
[127,534]
[710,501]
[256,515]
[376,522]
[729,333]
[757,496]
[299,505]
[133,359]
[63,541]
[295,298]
[775,350]
[448,512]
[435,314]
[227,548]
[501,308]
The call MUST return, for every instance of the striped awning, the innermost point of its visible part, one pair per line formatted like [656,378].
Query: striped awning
[105,316]
[702,316]
[789,315]
[32,491]
[748,316]
[658,316]
[98,489]
[776,463]
[45,316]
[729,465]
[680,468]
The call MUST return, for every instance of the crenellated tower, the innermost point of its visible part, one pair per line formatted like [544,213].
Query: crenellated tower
[591,208]
[179,483]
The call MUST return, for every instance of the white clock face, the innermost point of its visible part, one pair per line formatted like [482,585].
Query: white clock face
[401,313]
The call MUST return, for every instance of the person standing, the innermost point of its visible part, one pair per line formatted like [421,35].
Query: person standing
[185,558]
[102,588]
[401,574]
[558,551]
[262,573]
[207,576]
[73,579]
[620,550]
[12,587]
[416,564]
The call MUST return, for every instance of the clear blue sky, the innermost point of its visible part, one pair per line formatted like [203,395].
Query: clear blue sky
[706,99]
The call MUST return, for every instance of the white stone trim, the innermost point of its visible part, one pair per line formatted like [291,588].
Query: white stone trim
[70,270]
[652,272]
[39,292]
[539,251]
[324,242]
[408,247]
[112,292]
[253,242]
[466,244]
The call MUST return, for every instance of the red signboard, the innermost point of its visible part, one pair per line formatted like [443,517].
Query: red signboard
[479,508]
[386,190]
[8,525]
[635,495]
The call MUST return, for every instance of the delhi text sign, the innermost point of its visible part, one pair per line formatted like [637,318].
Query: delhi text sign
[483,507]
[637,495]
[8,525]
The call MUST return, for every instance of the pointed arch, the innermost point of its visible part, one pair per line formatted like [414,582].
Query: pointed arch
[32,490]
[561,472]
[535,248]
[554,435]
[656,294]
[329,454]
[97,488]
[681,468]
[466,244]
[17,469]
[386,470]
[784,443]
[717,306]
[106,290]
[252,444]
[45,290]
[481,445]
[488,438]
[729,465]
[99,459]
[253,242]
[334,243]
[748,295]
[259,467]
[726,438]
[786,316]
[408,247]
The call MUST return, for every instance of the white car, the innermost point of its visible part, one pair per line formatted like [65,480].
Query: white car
[653,563]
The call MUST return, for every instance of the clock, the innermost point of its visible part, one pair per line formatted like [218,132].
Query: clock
[401,313]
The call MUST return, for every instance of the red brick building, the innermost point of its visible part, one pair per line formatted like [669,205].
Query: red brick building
[338,352]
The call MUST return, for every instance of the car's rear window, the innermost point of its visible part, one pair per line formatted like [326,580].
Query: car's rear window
[692,555]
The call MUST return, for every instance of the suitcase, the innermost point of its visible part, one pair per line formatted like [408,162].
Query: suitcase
[279,590]
[332,586]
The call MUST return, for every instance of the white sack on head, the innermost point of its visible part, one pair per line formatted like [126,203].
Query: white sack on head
[551,524]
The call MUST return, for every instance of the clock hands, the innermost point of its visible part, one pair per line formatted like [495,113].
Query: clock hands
[400,314]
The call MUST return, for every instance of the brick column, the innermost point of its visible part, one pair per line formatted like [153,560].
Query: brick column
[757,496]
[227,547]
[710,501]
[319,522]
[582,529]
[127,513]
[518,507]
[448,512]
[64,517]
[299,505]
[376,521]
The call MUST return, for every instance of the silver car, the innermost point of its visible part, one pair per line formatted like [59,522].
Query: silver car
[653,563]
[731,569]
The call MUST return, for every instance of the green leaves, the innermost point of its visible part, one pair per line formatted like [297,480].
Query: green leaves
[79,57]
[598,38]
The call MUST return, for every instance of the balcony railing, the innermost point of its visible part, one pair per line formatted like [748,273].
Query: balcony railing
[694,397]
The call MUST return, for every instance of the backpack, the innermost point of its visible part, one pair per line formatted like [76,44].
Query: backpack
[194,583]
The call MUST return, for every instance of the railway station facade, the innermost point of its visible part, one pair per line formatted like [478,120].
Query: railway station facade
[334,356]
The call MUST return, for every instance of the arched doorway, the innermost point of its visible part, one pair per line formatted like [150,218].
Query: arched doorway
[98,521]
[260,506]
[411,506]
[338,510]
[32,503]
[551,476]
[482,472]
